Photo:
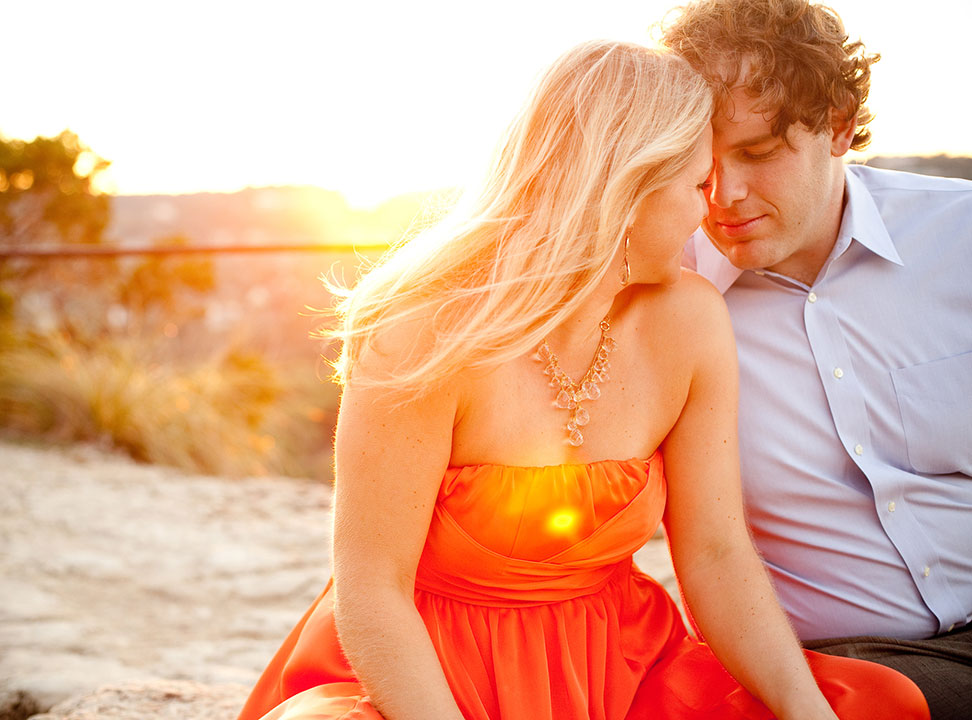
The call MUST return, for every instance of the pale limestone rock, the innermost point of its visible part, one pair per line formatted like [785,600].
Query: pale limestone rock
[112,572]
[158,699]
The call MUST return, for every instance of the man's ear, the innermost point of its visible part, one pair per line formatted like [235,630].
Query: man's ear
[843,129]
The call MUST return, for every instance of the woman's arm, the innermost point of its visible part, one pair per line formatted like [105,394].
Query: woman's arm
[390,460]
[722,577]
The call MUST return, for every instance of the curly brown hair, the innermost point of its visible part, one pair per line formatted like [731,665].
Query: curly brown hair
[795,57]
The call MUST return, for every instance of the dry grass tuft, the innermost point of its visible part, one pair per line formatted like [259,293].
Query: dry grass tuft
[231,413]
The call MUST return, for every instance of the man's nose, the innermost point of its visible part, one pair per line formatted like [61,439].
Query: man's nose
[728,187]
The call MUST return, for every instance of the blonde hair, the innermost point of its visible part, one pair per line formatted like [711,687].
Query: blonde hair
[607,124]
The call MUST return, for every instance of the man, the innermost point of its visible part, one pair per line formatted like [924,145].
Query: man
[850,290]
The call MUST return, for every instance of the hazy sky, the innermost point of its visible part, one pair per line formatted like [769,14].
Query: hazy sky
[378,98]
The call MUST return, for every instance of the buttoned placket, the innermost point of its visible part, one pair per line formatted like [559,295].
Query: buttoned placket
[845,396]
[887,481]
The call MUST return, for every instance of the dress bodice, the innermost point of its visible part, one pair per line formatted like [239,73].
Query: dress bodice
[528,535]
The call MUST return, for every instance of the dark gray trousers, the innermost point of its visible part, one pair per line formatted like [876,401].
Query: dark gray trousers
[941,666]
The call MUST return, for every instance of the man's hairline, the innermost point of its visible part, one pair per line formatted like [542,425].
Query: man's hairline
[723,94]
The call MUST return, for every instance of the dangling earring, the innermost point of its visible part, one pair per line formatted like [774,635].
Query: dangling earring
[625,269]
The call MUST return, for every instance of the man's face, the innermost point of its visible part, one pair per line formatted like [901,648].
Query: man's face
[773,205]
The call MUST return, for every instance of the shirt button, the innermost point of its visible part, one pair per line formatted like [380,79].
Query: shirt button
[812,297]
[838,373]
[926,571]
[891,506]
[859,449]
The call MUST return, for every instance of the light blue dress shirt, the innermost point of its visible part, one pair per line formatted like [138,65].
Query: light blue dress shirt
[856,412]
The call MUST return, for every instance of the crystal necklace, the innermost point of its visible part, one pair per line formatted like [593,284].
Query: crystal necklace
[571,394]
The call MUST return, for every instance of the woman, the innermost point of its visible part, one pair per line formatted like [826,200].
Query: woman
[512,383]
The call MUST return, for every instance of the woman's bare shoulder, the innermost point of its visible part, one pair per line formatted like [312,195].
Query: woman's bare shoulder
[400,347]
[688,318]
[691,302]
[697,293]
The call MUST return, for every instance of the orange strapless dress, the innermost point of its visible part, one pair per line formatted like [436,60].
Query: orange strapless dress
[536,611]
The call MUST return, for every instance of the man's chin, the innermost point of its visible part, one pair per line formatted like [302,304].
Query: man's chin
[740,254]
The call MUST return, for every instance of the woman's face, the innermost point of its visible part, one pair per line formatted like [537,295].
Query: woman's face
[666,218]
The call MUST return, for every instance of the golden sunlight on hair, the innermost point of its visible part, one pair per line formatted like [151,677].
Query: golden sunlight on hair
[606,125]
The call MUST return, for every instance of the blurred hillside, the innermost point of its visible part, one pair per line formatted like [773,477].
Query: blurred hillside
[943,165]
[263,216]
[261,301]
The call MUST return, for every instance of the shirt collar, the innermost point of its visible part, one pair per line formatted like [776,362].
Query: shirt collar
[861,221]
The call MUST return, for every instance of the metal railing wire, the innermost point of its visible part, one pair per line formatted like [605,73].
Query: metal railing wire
[95,251]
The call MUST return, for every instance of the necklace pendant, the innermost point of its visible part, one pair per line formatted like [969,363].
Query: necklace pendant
[564,401]
[591,390]
[570,394]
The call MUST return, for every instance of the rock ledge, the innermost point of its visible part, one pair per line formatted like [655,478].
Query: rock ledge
[159,699]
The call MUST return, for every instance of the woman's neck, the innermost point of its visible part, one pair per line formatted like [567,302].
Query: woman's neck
[575,339]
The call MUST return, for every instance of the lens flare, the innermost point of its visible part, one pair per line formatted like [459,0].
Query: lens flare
[562,521]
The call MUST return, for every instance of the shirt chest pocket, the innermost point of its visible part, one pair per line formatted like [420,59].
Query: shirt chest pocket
[935,400]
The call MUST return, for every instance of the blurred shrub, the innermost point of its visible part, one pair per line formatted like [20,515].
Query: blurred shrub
[175,360]
[47,191]
[230,414]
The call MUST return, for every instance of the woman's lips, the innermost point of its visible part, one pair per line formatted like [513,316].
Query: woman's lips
[739,229]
